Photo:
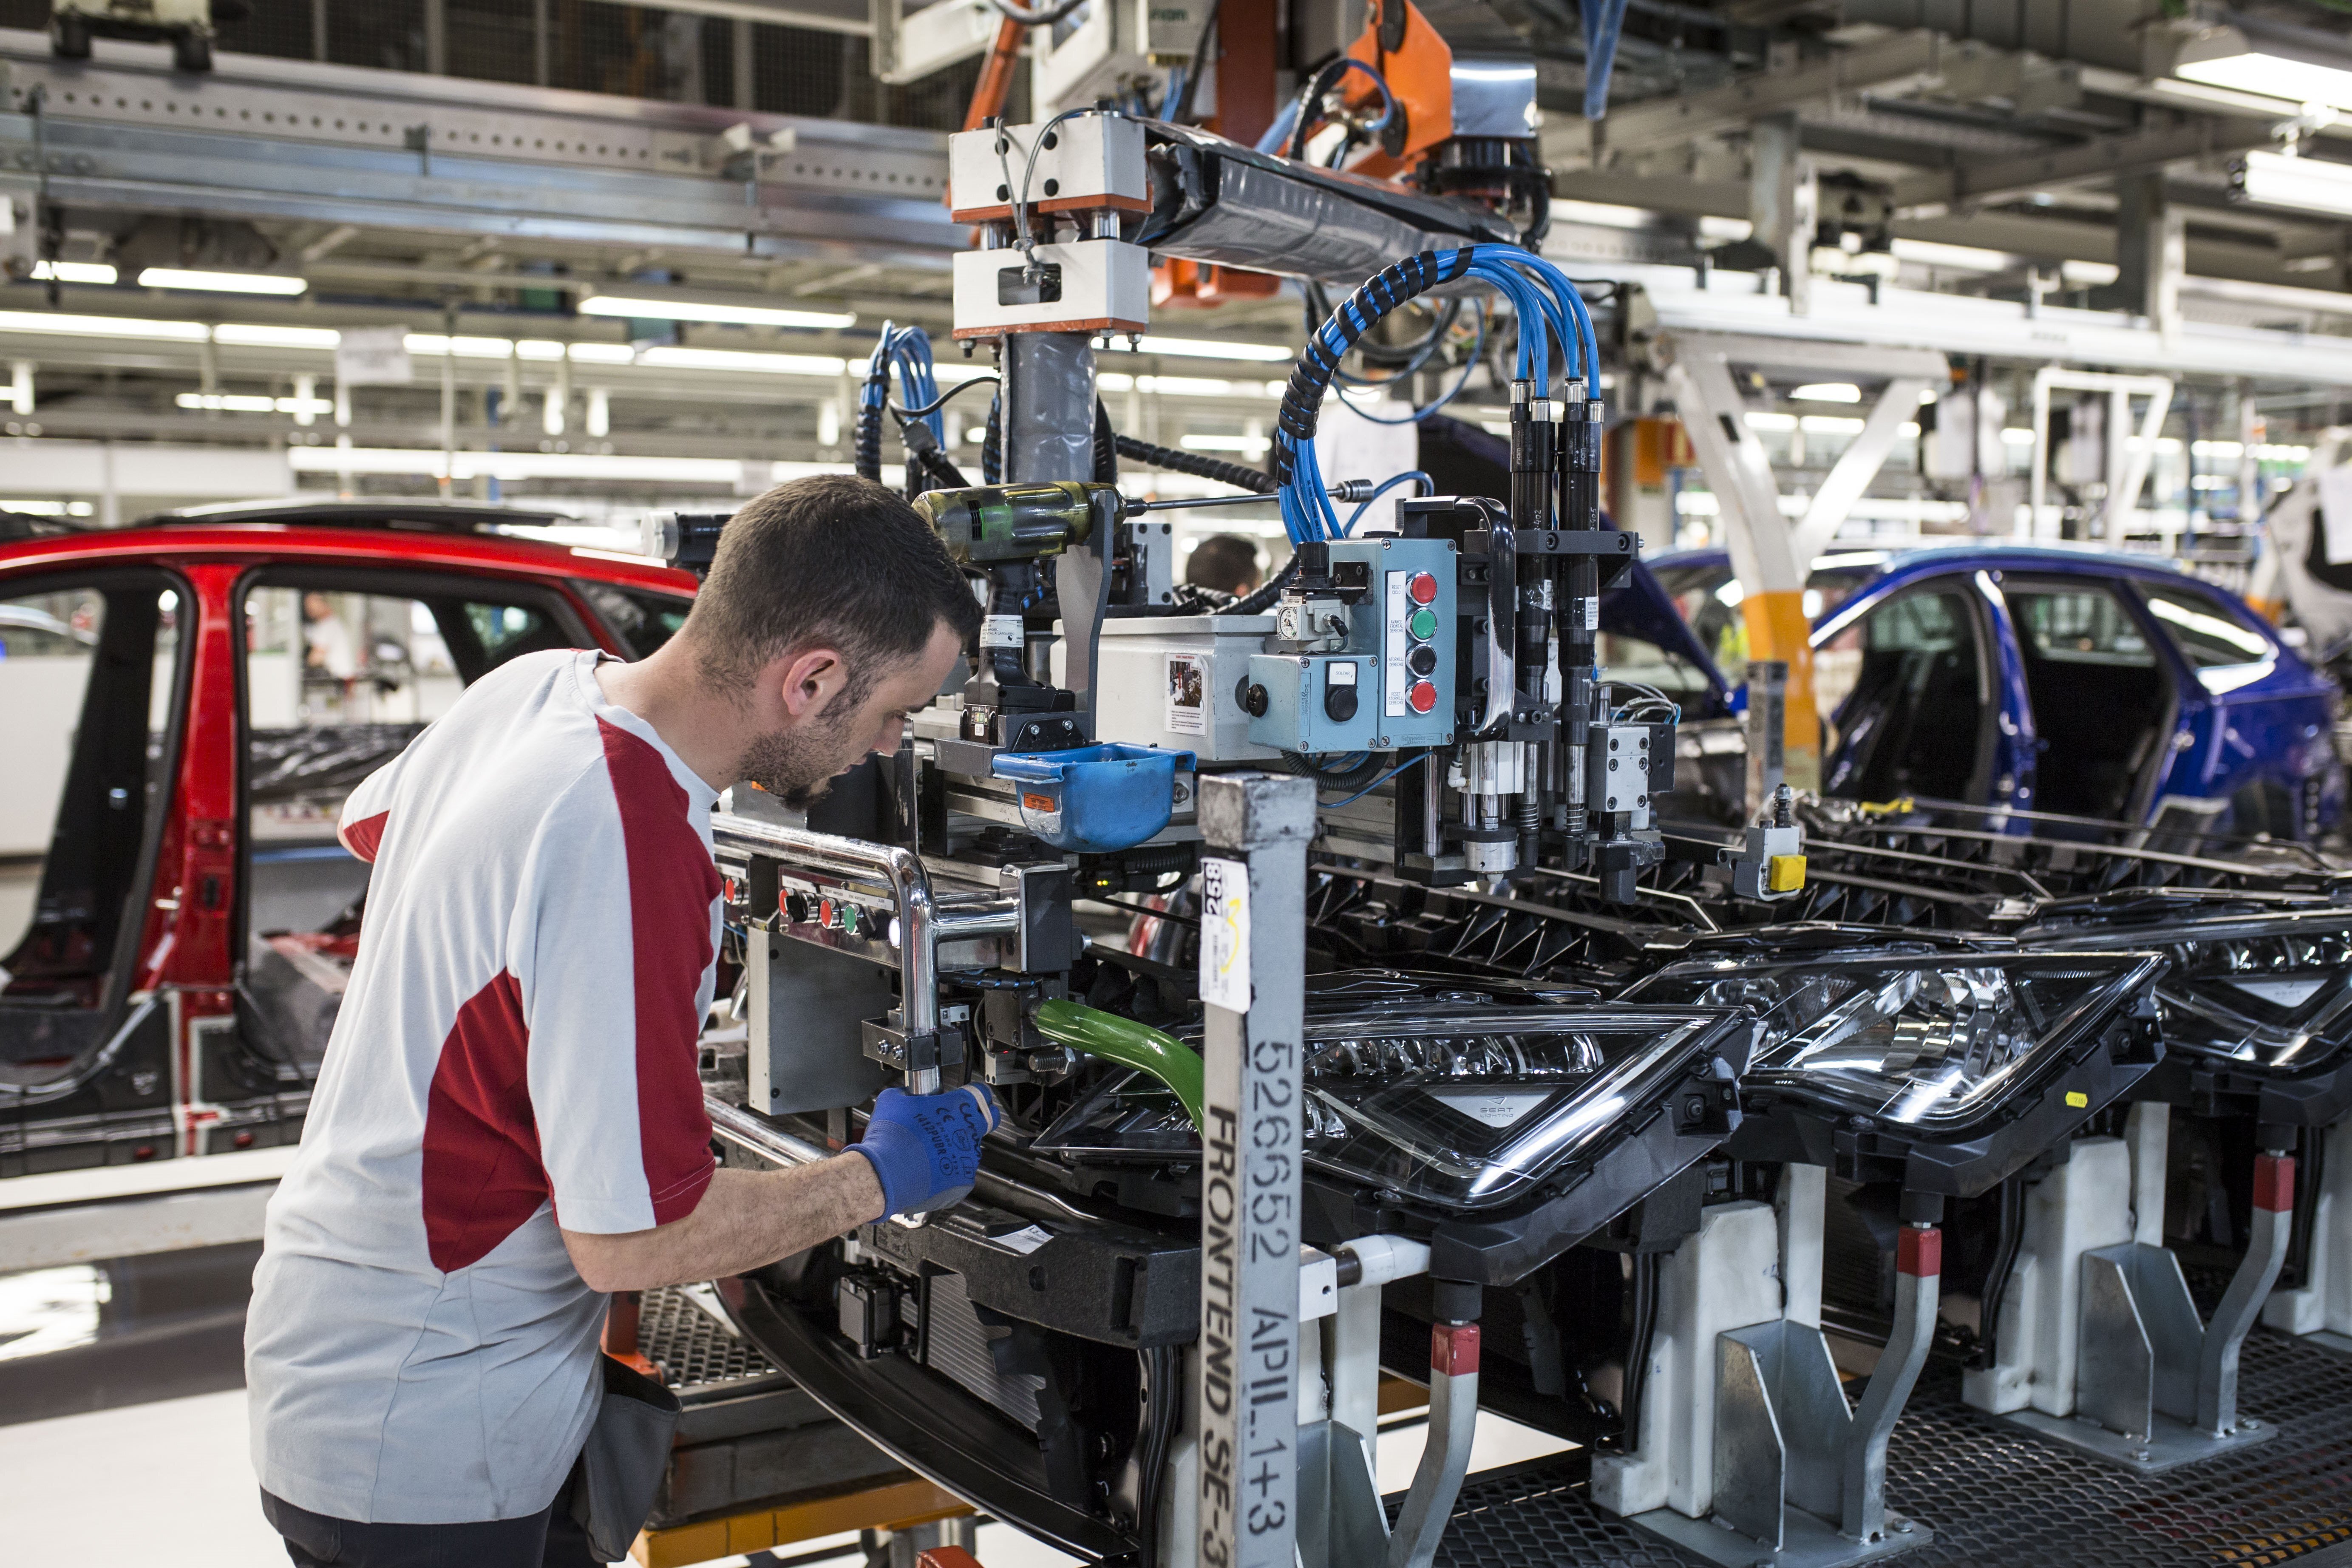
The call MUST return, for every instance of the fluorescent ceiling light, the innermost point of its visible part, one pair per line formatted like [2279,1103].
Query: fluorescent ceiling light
[241,403]
[102,326]
[47,508]
[655,307]
[1959,257]
[72,272]
[426,463]
[263,335]
[1827,425]
[2307,185]
[1210,348]
[2272,76]
[221,282]
[680,358]
[1253,445]
[1829,392]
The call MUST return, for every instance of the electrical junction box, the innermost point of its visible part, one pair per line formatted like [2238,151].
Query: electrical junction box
[1111,46]
[1081,286]
[1400,643]
[1173,681]
[1093,163]
[1316,703]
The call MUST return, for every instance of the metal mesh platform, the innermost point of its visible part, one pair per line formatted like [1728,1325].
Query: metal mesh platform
[1999,1500]
[691,1346]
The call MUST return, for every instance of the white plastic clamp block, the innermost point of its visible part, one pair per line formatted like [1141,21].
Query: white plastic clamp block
[1083,286]
[1090,164]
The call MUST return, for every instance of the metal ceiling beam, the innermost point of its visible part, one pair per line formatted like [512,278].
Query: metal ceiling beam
[1914,61]
[2105,157]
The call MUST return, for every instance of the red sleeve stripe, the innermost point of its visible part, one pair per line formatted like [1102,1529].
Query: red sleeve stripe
[671,885]
[360,837]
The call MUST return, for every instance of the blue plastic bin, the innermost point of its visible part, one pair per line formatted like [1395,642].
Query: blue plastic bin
[1094,798]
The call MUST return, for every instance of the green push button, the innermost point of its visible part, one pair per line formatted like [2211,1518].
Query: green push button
[1423,625]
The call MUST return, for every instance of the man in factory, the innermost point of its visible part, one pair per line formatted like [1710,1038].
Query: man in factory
[510,1122]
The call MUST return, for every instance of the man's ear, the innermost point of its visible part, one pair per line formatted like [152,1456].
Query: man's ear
[812,678]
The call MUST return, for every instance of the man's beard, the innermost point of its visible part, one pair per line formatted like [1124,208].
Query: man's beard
[796,766]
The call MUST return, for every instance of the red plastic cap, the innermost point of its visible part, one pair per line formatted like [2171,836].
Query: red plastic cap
[947,1557]
[1423,588]
[2275,1182]
[1421,698]
[1453,1349]
[1919,1253]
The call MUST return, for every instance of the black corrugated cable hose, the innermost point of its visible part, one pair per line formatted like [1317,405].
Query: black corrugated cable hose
[1256,481]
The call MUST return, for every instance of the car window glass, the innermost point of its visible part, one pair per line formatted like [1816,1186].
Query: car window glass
[337,683]
[2085,623]
[1914,719]
[2206,634]
[643,620]
[1627,657]
[1708,598]
[2099,698]
[87,677]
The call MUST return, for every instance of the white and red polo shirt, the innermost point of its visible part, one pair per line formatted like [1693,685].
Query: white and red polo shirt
[516,1051]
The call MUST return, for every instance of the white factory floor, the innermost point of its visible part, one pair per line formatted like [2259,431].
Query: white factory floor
[82,1485]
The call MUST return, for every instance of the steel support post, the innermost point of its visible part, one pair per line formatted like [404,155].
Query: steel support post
[1253,972]
[2242,1303]
[1918,1283]
[1453,1428]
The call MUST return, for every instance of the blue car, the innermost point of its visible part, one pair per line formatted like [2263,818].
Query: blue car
[2045,679]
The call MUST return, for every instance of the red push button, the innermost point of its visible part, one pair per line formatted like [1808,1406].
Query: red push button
[1421,588]
[1421,698]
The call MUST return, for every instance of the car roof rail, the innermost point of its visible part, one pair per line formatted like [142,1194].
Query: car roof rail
[19,525]
[392,512]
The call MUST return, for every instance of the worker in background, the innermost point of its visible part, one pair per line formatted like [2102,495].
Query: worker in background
[1225,562]
[510,1122]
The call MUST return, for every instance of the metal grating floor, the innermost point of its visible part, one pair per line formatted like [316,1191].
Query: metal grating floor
[1998,1501]
[691,1346]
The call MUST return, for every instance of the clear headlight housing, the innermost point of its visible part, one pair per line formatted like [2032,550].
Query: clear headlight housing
[1928,1040]
[1466,1105]
[2269,992]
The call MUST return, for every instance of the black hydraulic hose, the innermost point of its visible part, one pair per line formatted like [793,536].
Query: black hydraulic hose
[1253,481]
[1105,447]
[1311,377]
[992,443]
[1163,1408]
[1637,1358]
[1256,603]
[1181,114]
[867,451]
[2011,1229]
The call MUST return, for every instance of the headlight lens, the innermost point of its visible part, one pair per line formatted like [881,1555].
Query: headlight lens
[1930,1040]
[2268,992]
[1465,1106]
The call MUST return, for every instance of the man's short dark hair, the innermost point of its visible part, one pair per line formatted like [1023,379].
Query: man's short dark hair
[1225,560]
[830,561]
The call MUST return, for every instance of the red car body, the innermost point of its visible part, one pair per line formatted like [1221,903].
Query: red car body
[170,1068]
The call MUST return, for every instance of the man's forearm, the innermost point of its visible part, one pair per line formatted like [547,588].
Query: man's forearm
[746,1220]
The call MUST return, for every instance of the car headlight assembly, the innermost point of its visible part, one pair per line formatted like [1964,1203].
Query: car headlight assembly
[1459,1105]
[2258,1004]
[1930,1042]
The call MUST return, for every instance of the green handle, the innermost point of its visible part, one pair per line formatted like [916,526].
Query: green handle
[1129,1042]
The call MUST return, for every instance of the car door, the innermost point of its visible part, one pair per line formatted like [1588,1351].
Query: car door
[2100,694]
[93,677]
[343,667]
[1920,718]
[2252,733]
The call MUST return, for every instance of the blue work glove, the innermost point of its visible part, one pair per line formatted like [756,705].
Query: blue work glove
[925,1148]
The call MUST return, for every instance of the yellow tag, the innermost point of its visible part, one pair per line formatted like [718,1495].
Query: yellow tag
[1785,873]
[2078,1099]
